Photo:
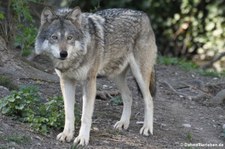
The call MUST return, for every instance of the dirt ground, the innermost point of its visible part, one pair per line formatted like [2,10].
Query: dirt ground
[182,114]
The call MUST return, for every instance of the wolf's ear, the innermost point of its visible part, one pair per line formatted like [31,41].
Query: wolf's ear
[46,15]
[75,15]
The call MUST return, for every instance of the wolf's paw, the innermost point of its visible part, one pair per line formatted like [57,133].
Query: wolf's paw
[81,140]
[146,130]
[121,125]
[65,137]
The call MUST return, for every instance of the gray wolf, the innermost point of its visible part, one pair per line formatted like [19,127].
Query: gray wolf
[109,42]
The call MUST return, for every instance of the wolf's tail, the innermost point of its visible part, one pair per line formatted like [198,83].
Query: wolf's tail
[152,86]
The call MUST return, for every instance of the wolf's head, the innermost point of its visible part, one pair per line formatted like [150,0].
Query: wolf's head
[60,34]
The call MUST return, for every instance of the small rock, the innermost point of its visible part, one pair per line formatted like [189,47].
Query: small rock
[105,86]
[190,98]
[39,138]
[199,128]
[95,128]
[140,122]
[163,125]
[4,91]
[106,142]
[186,125]
[221,117]
[224,126]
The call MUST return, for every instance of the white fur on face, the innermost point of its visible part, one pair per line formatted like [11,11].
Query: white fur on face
[45,45]
[78,46]
[54,49]
[39,48]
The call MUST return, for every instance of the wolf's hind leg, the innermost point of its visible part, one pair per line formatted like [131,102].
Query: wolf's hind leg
[121,83]
[142,75]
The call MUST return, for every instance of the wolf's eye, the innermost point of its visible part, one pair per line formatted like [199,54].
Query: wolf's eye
[54,37]
[69,38]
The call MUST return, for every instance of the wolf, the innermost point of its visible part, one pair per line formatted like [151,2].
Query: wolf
[109,42]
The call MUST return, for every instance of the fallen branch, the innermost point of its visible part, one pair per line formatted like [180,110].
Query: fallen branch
[172,89]
[200,95]
[215,59]
[219,98]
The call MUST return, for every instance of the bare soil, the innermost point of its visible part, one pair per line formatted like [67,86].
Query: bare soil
[182,112]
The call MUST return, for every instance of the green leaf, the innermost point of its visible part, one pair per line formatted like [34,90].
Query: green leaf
[210,26]
[2,16]
[11,99]
[20,107]
[5,110]
[117,100]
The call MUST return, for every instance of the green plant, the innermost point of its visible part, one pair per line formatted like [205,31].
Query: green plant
[117,100]
[1,16]
[26,38]
[189,137]
[165,60]
[20,103]
[188,65]
[26,31]
[26,106]
[182,63]
[50,115]
[211,73]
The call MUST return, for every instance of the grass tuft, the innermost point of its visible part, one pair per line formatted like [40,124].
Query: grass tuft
[188,66]
[7,82]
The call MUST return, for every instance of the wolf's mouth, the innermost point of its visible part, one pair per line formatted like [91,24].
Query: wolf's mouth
[62,58]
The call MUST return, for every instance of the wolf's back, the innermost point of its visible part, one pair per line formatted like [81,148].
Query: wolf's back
[123,26]
[118,12]
[123,18]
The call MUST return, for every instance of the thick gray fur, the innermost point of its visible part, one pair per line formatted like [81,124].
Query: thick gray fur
[109,42]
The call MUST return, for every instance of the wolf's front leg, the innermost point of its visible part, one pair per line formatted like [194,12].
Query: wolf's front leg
[68,91]
[89,93]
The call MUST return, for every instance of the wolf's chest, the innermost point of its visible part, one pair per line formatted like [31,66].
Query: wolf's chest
[77,74]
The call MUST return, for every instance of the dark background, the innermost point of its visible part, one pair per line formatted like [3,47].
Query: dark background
[193,30]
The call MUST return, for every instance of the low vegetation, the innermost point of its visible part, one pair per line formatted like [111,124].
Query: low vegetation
[182,63]
[25,105]
[116,101]
[189,66]
[18,139]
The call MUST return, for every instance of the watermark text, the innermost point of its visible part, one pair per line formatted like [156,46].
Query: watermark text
[202,144]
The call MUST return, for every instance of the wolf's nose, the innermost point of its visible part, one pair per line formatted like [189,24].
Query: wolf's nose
[63,54]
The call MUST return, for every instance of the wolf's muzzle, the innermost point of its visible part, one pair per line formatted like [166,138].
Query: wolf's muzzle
[63,55]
